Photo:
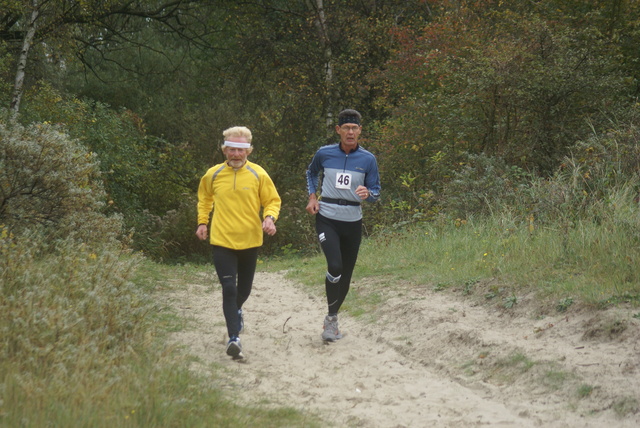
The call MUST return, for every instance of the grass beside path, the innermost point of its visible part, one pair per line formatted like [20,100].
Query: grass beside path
[496,261]
[83,345]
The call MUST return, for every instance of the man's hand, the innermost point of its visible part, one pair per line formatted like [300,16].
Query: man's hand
[313,206]
[202,232]
[269,226]
[363,192]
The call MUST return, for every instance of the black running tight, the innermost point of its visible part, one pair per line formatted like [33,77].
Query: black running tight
[231,264]
[340,242]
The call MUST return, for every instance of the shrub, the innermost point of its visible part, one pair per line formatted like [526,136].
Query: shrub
[170,237]
[598,180]
[484,184]
[48,179]
[69,317]
[145,177]
[70,314]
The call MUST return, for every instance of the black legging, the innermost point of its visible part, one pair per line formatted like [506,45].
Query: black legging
[229,265]
[340,242]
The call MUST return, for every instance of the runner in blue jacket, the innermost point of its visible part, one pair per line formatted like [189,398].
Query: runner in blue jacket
[349,176]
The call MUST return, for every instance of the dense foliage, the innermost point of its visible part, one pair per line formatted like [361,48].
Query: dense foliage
[469,104]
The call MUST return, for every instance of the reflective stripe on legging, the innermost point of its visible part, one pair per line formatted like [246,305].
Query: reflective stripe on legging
[340,242]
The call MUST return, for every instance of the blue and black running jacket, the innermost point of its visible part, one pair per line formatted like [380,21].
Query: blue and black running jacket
[339,174]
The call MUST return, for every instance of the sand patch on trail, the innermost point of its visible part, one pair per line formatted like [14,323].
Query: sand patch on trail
[428,360]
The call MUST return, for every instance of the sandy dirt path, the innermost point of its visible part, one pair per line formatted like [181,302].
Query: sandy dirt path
[427,360]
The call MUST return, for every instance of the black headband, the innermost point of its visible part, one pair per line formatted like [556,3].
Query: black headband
[349,118]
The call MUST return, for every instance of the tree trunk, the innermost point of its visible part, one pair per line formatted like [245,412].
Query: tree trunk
[22,61]
[323,32]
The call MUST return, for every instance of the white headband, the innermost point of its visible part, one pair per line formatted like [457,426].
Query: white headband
[237,145]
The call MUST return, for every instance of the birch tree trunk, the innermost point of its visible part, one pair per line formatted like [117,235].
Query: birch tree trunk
[323,31]
[22,61]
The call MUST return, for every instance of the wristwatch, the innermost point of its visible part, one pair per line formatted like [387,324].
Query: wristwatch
[271,217]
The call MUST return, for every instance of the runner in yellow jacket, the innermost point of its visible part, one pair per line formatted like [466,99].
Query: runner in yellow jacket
[237,196]
[238,192]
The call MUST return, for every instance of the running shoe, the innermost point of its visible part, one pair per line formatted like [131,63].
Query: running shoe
[234,348]
[331,332]
[240,321]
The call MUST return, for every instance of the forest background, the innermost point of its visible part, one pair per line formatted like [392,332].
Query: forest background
[469,105]
[506,134]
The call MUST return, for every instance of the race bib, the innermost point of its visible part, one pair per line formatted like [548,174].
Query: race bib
[343,181]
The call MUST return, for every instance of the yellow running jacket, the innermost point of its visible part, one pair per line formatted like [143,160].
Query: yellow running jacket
[236,196]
